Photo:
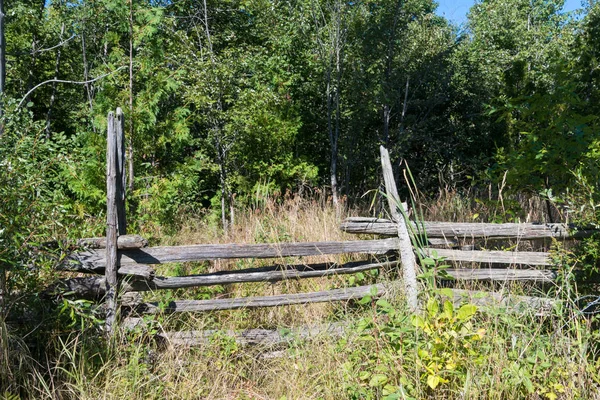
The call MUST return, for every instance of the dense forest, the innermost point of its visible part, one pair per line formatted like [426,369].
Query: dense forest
[227,98]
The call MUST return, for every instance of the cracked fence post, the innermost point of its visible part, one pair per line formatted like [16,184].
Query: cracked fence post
[407,256]
[111,226]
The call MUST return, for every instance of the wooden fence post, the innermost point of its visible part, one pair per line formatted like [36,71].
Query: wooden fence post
[407,256]
[121,178]
[111,225]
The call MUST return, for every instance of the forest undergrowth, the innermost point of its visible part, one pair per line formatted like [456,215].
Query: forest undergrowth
[447,351]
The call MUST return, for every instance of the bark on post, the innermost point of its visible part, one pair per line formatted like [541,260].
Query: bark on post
[409,264]
[121,175]
[111,226]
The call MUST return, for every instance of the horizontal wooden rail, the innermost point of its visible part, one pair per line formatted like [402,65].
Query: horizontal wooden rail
[489,301]
[253,337]
[93,287]
[95,260]
[502,274]
[485,300]
[123,242]
[460,230]
[492,257]
[262,301]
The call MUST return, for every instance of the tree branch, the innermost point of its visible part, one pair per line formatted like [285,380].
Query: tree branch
[65,81]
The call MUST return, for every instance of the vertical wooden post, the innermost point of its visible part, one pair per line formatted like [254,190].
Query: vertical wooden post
[407,256]
[121,176]
[111,225]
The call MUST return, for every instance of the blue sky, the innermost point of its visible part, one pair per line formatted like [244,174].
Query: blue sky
[456,10]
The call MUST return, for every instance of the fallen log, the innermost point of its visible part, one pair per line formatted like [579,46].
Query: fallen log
[261,301]
[467,230]
[95,260]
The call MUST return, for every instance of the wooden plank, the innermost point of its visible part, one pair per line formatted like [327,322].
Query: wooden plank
[492,256]
[121,178]
[409,263]
[94,260]
[137,272]
[465,230]
[503,275]
[111,227]
[123,242]
[494,301]
[262,301]
[255,337]
[95,288]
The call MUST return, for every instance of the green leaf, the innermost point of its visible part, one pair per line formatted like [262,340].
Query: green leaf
[448,309]
[378,380]
[446,292]
[466,312]
[432,306]
[433,381]
[418,321]
[382,303]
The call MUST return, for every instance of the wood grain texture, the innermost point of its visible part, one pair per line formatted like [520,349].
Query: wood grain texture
[262,301]
[111,227]
[94,260]
[505,302]
[462,230]
[94,287]
[492,256]
[120,171]
[407,256]
[503,275]
[123,242]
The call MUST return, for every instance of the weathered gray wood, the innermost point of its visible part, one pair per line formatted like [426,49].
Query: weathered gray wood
[262,301]
[492,257]
[95,260]
[137,272]
[494,301]
[461,230]
[123,242]
[111,226]
[407,256]
[96,287]
[140,271]
[441,242]
[255,337]
[503,275]
[121,179]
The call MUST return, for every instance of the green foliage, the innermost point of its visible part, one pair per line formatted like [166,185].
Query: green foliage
[447,347]
[434,349]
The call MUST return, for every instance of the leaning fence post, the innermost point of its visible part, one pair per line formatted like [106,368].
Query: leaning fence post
[121,178]
[111,225]
[407,256]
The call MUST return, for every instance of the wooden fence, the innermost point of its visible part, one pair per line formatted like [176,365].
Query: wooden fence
[121,263]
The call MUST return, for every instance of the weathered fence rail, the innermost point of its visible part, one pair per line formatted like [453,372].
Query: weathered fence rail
[468,230]
[94,260]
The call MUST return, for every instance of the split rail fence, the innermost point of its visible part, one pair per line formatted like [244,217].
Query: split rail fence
[122,263]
